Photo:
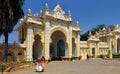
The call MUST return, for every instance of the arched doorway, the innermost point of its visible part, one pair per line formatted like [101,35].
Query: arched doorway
[37,47]
[93,52]
[118,46]
[58,45]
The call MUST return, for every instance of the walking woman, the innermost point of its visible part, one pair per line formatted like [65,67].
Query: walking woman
[40,64]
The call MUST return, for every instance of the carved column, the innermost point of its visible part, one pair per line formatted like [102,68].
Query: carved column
[89,48]
[115,45]
[29,42]
[97,49]
[47,39]
[46,49]
[77,42]
[69,44]
[109,41]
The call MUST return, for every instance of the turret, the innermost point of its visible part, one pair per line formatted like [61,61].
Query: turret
[69,15]
[77,26]
[90,34]
[103,29]
[29,12]
[21,20]
[109,30]
[46,7]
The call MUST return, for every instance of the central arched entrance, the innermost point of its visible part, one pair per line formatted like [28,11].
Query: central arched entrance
[37,47]
[58,45]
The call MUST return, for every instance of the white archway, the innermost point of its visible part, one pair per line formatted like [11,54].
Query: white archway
[57,37]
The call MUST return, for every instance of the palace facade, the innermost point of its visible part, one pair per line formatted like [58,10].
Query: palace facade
[53,34]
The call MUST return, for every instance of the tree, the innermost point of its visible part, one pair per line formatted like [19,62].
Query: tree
[84,37]
[10,12]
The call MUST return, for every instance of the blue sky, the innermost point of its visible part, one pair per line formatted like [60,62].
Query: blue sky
[89,13]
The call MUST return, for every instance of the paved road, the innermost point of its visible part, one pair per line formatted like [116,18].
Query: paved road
[93,66]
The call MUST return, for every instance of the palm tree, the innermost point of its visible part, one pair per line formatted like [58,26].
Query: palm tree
[10,12]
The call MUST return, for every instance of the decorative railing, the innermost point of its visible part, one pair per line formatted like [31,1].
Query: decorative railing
[103,44]
[13,45]
[83,44]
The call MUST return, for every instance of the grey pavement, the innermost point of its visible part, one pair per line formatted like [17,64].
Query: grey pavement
[93,66]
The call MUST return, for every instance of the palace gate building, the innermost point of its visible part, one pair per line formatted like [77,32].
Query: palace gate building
[53,34]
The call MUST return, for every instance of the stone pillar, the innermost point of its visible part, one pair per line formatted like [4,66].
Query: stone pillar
[29,41]
[46,50]
[97,49]
[47,39]
[110,46]
[69,43]
[115,45]
[89,48]
[77,42]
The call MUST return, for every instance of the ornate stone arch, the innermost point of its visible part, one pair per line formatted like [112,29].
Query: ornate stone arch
[58,29]
[40,34]
[63,36]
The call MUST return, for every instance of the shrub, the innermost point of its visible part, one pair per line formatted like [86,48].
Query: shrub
[116,55]
[23,61]
[100,56]
[3,66]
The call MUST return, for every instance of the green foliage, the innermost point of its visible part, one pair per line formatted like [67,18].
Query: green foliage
[84,37]
[3,66]
[10,12]
[23,61]
[108,53]
[116,55]
[49,60]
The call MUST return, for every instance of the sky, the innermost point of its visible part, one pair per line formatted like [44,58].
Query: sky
[89,13]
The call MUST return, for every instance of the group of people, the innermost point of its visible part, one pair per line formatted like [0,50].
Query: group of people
[40,64]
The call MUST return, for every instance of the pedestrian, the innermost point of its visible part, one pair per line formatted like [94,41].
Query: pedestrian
[43,63]
[87,57]
[40,64]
